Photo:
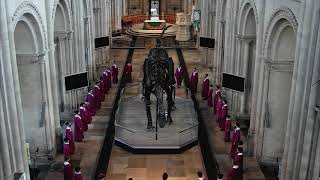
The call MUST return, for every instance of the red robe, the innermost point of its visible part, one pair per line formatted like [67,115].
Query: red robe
[218,110]
[227,127]
[68,171]
[224,113]
[217,96]
[97,96]
[109,79]
[128,71]
[179,76]
[77,176]
[236,136]
[92,106]
[194,81]
[66,150]
[209,100]
[233,173]
[78,128]
[233,150]
[84,120]
[104,79]
[89,118]
[205,88]
[114,70]
[69,136]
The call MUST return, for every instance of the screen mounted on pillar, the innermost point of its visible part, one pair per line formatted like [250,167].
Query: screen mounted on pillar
[101,42]
[233,82]
[207,42]
[76,81]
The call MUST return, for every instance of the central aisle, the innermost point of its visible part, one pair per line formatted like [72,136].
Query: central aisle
[123,165]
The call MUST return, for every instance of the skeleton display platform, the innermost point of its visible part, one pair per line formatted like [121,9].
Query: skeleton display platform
[131,127]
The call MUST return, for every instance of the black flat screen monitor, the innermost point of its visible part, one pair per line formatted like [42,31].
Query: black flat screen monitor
[233,82]
[76,81]
[207,42]
[101,42]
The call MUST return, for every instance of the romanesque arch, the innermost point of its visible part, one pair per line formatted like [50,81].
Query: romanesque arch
[247,31]
[63,48]
[31,48]
[279,55]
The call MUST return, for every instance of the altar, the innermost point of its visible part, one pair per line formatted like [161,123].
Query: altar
[154,24]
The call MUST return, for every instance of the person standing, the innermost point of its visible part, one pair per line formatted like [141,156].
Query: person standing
[78,128]
[66,148]
[227,128]
[77,174]
[224,113]
[67,170]
[233,173]
[219,110]
[209,101]
[69,136]
[83,115]
[114,72]
[128,71]
[217,96]
[179,75]
[205,87]
[91,101]
[236,134]
[194,81]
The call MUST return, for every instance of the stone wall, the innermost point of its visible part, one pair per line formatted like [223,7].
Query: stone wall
[273,44]
[41,43]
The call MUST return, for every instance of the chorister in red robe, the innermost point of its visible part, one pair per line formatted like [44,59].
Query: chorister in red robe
[219,110]
[128,71]
[66,148]
[97,96]
[68,171]
[238,160]
[209,100]
[104,79]
[227,128]
[179,75]
[77,174]
[69,136]
[114,70]
[92,106]
[109,79]
[194,80]
[224,113]
[236,134]
[205,87]
[86,105]
[217,96]
[78,128]
[233,150]
[233,173]
[84,121]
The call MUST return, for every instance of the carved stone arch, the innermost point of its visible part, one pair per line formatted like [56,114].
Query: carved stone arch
[245,8]
[67,11]
[282,13]
[28,7]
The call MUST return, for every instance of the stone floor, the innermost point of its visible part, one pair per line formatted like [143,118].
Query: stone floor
[183,166]
[123,165]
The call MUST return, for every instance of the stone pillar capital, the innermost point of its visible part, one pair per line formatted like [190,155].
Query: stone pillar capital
[61,35]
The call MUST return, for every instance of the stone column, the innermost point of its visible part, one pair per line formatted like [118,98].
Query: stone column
[245,71]
[52,67]
[48,124]
[5,161]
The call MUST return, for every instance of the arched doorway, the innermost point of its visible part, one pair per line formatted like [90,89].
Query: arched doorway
[30,55]
[63,52]
[279,52]
[248,55]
